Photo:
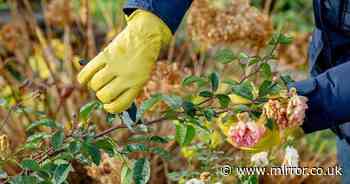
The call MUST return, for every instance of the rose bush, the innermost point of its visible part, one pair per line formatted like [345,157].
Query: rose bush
[254,114]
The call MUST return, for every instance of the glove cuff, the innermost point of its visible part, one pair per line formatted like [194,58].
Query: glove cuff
[151,23]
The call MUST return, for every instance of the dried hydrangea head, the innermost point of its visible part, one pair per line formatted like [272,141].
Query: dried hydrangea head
[295,55]
[246,132]
[227,22]
[59,12]
[12,36]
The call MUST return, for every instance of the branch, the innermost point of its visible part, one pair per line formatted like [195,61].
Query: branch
[50,152]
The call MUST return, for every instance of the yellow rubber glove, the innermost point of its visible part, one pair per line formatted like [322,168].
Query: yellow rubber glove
[119,72]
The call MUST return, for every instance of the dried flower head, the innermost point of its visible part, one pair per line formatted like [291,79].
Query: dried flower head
[11,36]
[246,132]
[59,13]
[228,21]
[275,110]
[296,108]
[295,55]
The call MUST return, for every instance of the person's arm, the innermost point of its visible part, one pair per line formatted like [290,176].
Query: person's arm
[170,11]
[329,98]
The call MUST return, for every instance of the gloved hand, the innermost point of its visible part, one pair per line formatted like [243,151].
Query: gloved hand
[119,72]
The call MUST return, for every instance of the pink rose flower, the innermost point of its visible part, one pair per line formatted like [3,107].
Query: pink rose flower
[246,133]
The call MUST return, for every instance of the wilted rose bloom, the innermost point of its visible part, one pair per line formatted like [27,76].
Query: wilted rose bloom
[194,181]
[274,109]
[246,133]
[260,159]
[291,157]
[296,110]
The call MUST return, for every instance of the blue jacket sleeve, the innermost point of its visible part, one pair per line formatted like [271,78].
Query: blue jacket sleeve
[170,11]
[329,98]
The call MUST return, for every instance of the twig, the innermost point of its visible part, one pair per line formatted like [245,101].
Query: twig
[50,152]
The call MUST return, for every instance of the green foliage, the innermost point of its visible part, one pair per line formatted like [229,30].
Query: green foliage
[57,139]
[184,134]
[194,117]
[86,110]
[225,56]
[142,171]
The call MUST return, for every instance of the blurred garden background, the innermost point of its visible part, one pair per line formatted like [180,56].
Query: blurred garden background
[42,42]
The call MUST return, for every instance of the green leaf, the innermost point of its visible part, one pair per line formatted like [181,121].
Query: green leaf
[287,79]
[87,109]
[149,139]
[198,123]
[161,152]
[128,121]
[173,101]
[270,124]
[215,80]
[38,137]
[265,88]
[93,152]
[230,82]
[74,147]
[240,108]
[184,134]
[189,108]
[193,79]
[224,100]
[284,39]
[110,118]
[149,103]
[24,180]
[30,164]
[126,175]
[43,122]
[254,60]
[266,71]
[209,114]
[57,139]
[206,94]
[142,171]
[130,148]
[243,56]
[225,56]
[61,173]
[106,145]
[245,90]
[14,72]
